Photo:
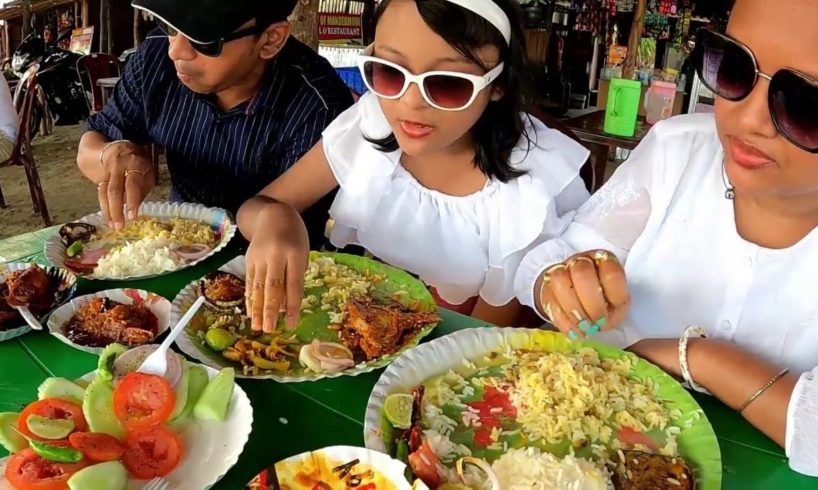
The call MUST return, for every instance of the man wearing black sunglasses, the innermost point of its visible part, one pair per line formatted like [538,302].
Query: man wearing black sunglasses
[229,95]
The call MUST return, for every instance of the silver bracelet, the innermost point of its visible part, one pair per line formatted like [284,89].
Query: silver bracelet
[105,148]
[696,331]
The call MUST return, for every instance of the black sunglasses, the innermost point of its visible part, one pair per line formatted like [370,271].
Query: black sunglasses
[730,70]
[212,49]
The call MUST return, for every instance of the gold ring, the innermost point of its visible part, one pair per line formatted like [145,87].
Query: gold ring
[134,171]
[104,182]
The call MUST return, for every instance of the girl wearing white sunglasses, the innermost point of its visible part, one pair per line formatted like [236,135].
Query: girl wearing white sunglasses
[439,171]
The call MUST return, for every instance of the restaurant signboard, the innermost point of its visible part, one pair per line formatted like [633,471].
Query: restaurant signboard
[338,27]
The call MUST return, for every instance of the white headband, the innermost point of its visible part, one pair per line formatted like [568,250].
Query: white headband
[490,11]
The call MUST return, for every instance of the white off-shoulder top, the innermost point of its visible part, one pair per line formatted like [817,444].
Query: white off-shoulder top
[462,246]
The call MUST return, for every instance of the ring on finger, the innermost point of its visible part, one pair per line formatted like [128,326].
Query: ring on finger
[132,171]
[100,185]
[274,283]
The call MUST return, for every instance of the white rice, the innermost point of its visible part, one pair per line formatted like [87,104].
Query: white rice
[145,256]
[531,469]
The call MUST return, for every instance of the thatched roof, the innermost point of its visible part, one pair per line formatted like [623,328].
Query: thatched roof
[14,9]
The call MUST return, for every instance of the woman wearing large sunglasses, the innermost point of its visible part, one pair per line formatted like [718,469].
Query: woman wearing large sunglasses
[715,219]
[439,172]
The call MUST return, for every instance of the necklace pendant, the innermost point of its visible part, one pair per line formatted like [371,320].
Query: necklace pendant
[729,194]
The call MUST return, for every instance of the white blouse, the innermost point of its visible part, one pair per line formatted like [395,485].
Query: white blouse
[665,216]
[462,246]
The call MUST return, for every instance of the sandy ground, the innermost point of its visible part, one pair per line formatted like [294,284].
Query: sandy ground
[68,194]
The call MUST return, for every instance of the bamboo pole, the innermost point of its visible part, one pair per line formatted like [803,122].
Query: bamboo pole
[26,6]
[633,42]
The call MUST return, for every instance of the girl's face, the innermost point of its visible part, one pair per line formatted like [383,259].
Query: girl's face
[402,37]
[759,160]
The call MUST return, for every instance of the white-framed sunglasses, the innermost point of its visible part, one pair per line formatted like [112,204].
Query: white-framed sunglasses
[443,90]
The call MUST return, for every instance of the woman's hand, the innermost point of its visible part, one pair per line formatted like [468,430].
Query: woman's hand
[585,294]
[276,261]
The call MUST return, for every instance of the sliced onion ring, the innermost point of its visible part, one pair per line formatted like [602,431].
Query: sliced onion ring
[131,360]
[326,357]
[192,252]
[483,465]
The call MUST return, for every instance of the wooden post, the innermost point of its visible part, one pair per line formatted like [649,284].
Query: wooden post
[633,42]
[85,12]
[6,40]
[26,6]
[305,22]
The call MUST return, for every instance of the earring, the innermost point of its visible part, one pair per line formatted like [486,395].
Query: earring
[730,192]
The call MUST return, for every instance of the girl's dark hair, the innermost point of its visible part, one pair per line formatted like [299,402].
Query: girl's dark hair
[500,127]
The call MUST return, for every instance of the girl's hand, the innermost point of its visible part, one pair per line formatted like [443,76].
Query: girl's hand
[585,294]
[276,261]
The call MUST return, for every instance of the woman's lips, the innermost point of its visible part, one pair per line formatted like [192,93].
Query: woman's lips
[748,156]
[415,130]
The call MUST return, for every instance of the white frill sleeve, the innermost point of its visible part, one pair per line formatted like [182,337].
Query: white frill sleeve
[612,219]
[801,441]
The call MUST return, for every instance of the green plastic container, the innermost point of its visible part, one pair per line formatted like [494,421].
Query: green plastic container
[623,107]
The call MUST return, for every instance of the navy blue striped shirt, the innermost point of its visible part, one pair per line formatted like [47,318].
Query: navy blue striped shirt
[222,158]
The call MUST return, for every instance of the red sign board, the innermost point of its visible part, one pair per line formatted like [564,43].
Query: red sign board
[339,27]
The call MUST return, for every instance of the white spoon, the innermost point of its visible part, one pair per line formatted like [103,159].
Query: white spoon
[157,362]
[29,317]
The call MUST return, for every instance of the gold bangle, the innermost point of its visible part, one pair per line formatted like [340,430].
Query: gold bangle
[761,390]
[105,148]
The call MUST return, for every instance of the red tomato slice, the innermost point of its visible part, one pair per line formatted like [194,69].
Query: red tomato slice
[152,453]
[142,401]
[424,465]
[27,471]
[96,446]
[52,408]
[633,437]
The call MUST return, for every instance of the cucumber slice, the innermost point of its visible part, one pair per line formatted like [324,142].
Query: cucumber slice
[197,382]
[10,439]
[105,366]
[58,454]
[98,408]
[61,388]
[49,428]
[104,476]
[215,399]
[181,389]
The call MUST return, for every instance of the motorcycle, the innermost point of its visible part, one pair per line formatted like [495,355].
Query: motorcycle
[56,76]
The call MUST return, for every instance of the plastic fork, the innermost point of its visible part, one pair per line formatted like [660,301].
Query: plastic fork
[157,484]
[157,362]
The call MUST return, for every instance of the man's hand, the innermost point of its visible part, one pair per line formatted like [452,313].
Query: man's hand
[129,179]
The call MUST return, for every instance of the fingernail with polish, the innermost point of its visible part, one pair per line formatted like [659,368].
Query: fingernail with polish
[601,322]
[573,335]
[584,325]
[593,331]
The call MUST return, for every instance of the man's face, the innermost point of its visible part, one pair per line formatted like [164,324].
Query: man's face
[207,75]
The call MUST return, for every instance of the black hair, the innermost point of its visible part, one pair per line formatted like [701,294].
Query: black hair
[501,126]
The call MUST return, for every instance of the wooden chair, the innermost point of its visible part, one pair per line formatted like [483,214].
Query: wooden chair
[90,69]
[23,154]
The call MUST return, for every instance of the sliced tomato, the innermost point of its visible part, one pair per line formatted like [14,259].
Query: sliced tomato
[152,453]
[27,471]
[97,446]
[631,437]
[143,400]
[52,408]
[424,465]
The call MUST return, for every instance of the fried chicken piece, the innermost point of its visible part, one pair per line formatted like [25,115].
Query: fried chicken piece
[30,287]
[642,470]
[102,321]
[381,328]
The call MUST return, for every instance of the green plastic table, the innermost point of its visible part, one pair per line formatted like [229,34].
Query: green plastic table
[292,418]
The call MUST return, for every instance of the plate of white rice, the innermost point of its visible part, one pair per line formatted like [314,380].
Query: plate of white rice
[148,250]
